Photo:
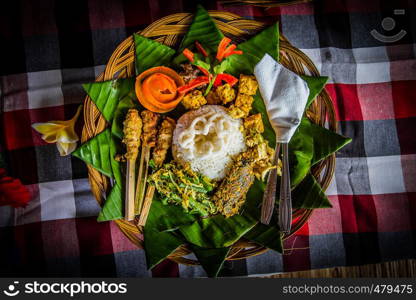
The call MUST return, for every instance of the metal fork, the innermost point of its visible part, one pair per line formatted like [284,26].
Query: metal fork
[285,206]
[269,197]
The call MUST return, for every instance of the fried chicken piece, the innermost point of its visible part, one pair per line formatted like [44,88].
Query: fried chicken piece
[132,130]
[248,85]
[254,139]
[194,100]
[164,140]
[261,171]
[213,98]
[150,120]
[226,93]
[256,153]
[244,101]
[254,123]
[261,158]
[242,106]
[236,112]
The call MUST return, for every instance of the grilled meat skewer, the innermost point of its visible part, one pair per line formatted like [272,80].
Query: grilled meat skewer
[150,121]
[132,130]
[164,141]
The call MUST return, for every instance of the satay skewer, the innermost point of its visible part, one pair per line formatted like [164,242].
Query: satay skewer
[132,130]
[164,141]
[141,179]
[130,192]
[150,121]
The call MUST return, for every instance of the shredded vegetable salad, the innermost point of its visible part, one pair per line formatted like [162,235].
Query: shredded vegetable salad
[182,186]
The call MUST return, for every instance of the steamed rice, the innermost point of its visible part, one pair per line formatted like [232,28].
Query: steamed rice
[208,139]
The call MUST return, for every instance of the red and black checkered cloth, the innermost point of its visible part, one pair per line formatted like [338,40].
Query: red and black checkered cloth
[48,48]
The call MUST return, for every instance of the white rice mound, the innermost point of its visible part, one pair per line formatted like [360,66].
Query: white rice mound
[207,139]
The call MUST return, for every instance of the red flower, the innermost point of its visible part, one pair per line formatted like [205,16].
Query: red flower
[12,191]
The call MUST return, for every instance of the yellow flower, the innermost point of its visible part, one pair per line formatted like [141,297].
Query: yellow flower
[60,132]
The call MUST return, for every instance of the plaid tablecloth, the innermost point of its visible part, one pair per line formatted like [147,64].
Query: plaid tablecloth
[48,48]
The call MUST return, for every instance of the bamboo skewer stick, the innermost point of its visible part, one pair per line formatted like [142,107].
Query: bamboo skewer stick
[150,121]
[132,131]
[130,179]
[164,141]
[141,179]
[146,205]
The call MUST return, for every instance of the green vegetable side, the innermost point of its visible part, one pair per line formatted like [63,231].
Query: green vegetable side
[184,187]
[168,226]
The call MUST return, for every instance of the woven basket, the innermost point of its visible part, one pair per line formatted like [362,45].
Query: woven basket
[169,30]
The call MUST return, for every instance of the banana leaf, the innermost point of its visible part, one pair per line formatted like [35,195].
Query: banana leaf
[169,217]
[113,208]
[315,85]
[309,145]
[202,29]
[326,142]
[106,94]
[96,152]
[113,205]
[267,236]
[129,101]
[99,152]
[217,231]
[150,53]
[211,260]
[267,41]
[158,244]
[309,194]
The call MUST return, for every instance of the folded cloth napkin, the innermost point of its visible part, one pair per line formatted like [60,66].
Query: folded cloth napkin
[285,95]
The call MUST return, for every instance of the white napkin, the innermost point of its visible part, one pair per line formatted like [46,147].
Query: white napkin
[285,95]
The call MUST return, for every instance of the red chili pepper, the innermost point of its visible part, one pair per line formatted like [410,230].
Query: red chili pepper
[188,54]
[239,52]
[230,79]
[229,49]
[201,49]
[194,83]
[205,71]
[222,47]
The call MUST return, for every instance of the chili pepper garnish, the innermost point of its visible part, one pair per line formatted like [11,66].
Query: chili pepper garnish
[225,50]
[229,49]
[222,48]
[230,79]
[204,71]
[201,49]
[231,52]
[194,83]
[188,54]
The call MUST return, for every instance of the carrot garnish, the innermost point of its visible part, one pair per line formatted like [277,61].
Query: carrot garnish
[188,54]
